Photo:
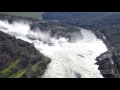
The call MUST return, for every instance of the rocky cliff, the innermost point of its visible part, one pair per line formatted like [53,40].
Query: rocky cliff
[109,62]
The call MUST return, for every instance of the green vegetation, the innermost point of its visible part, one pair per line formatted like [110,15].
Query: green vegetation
[34,67]
[105,23]
[90,20]
[9,70]
[19,74]
[26,14]
[32,63]
[17,57]
[38,69]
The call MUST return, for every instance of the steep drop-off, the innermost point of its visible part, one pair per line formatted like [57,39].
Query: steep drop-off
[72,57]
[19,59]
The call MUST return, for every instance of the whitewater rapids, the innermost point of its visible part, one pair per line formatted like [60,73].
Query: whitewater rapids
[69,60]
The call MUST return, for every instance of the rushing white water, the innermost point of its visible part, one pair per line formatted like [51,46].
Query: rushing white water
[69,60]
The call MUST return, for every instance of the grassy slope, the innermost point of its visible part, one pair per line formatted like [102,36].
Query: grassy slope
[7,70]
[19,74]
[12,65]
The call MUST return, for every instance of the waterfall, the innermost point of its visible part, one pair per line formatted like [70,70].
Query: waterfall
[69,60]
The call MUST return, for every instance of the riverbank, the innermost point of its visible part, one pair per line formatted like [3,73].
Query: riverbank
[109,61]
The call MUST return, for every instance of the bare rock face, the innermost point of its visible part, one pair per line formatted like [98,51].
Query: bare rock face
[109,64]
[109,61]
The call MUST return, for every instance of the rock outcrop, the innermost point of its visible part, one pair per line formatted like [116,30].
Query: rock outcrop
[109,61]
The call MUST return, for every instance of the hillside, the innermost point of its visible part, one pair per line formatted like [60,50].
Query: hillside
[56,29]
[90,20]
[22,62]
[103,24]
[107,23]
[19,59]
[25,14]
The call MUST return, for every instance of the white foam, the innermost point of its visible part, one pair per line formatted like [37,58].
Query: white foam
[67,58]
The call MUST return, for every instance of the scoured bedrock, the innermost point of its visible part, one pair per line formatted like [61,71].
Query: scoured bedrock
[73,53]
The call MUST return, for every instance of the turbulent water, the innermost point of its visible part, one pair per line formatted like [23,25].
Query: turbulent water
[69,60]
